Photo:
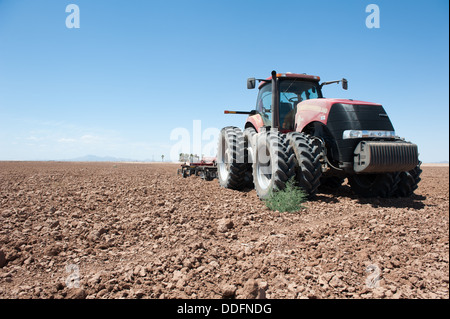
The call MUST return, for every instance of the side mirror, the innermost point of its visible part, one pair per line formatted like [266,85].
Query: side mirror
[251,83]
[344,84]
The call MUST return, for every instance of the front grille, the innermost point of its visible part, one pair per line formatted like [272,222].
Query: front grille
[344,117]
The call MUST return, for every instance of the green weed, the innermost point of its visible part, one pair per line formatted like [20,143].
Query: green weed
[290,199]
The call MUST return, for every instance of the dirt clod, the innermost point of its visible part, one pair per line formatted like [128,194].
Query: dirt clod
[2,259]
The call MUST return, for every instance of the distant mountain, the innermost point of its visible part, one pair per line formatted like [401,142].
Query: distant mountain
[94,158]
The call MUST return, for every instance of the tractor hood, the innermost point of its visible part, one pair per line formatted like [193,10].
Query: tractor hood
[339,116]
[319,110]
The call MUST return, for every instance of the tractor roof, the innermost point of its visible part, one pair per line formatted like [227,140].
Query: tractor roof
[292,75]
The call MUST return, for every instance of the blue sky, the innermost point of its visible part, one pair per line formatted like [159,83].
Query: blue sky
[135,71]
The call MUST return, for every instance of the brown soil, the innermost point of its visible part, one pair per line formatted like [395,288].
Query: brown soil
[121,230]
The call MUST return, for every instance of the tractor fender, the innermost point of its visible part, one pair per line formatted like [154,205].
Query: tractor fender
[317,110]
[256,121]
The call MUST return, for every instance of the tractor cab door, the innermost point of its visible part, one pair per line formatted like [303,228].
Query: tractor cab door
[288,108]
[264,104]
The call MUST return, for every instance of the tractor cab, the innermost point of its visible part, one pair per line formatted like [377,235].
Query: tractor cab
[280,94]
[292,89]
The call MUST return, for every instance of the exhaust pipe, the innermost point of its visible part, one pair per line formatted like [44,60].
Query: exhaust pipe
[275,102]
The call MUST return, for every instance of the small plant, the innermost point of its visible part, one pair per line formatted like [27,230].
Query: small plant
[289,199]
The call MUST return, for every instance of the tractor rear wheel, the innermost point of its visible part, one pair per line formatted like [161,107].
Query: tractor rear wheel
[308,151]
[250,146]
[407,182]
[273,163]
[373,185]
[231,159]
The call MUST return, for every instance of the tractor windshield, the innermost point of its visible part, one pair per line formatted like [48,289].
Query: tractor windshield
[292,92]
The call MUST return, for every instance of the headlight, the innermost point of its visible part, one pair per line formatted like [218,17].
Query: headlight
[363,134]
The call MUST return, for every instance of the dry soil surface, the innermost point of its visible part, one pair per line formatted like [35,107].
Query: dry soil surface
[122,230]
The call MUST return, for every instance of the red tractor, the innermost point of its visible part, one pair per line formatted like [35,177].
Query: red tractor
[294,132]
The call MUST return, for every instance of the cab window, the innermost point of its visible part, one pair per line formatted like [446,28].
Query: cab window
[264,104]
[293,92]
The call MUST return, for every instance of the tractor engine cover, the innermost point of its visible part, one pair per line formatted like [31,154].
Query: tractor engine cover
[385,157]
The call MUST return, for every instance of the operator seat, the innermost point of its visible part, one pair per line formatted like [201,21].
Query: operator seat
[287,114]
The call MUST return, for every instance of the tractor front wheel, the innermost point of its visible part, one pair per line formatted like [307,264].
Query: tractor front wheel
[407,182]
[373,185]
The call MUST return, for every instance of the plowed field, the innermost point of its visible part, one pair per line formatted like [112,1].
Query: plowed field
[128,230]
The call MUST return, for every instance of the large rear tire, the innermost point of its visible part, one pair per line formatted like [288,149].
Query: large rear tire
[231,159]
[273,163]
[373,185]
[250,146]
[408,182]
[308,151]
